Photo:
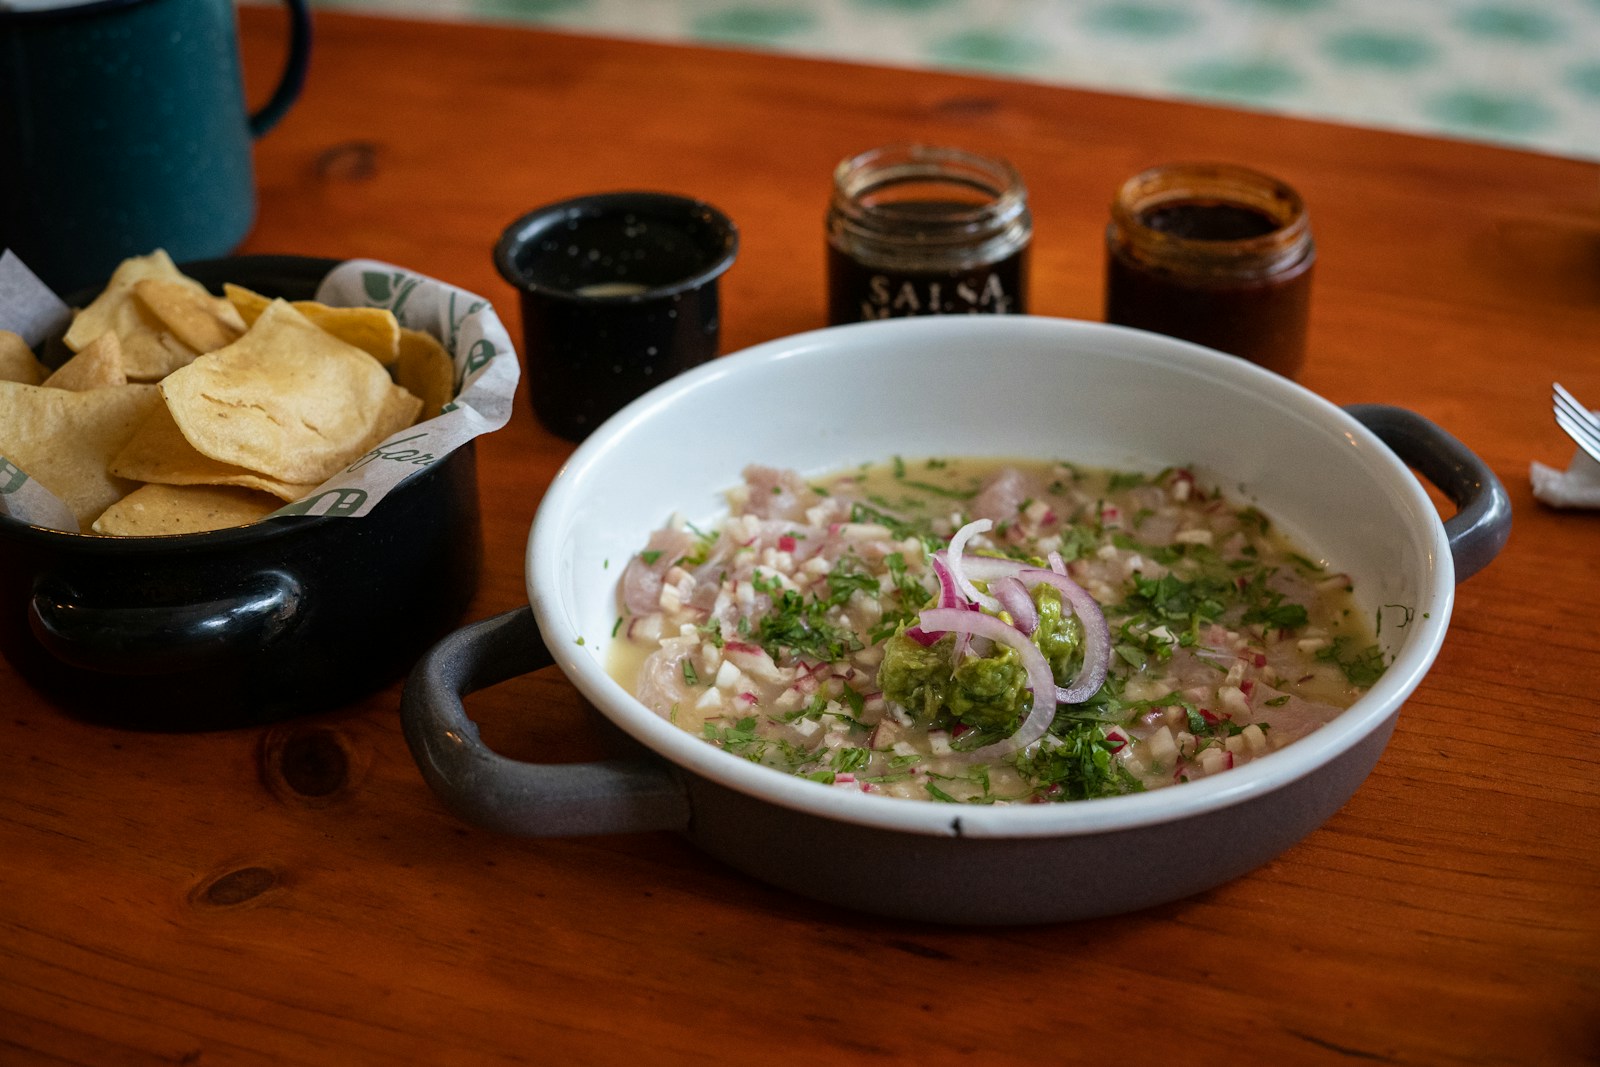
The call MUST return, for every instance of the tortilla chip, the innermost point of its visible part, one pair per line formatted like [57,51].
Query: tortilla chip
[159,453]
[99,365]
[17,361]
[65,440]
[201,321]
[426,370]
[373,330]
[247,302]
[288,400]
[149,350]
[161,510]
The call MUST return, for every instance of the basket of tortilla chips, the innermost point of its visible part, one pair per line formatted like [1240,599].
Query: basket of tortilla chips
[242,489]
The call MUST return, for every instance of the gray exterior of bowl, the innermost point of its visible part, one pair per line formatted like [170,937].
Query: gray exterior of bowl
[1014,881]
[951,879]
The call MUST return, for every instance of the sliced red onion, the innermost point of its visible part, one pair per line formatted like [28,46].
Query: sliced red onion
[958,544]
[1058,564]
[1040,682]
[1017,602]
[1096,634]
[949,597]
[990,568]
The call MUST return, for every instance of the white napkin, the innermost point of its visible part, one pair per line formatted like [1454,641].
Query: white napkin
[1576,487]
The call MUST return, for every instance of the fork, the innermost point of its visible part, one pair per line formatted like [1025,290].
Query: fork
[1578,421]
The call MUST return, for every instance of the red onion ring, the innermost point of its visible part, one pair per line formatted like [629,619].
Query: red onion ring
[958,545]
[1096,634]
[949,597]
[1040,682]
[1014,598]
[988,568]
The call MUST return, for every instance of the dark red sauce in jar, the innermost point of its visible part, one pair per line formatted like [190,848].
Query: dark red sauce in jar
[925,230]
[1214,254]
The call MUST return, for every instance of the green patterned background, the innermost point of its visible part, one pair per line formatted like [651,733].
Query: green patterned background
[1524,73]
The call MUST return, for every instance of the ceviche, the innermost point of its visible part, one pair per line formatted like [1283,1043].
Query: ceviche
[988,632]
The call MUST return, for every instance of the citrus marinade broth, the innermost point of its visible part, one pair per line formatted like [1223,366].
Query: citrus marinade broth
[782,636]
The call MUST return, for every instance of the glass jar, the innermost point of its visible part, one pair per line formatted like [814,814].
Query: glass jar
[1216,254]
[924,230]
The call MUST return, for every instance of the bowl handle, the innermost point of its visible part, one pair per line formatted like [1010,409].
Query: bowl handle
[1482,522]
[490,790]
[164,638]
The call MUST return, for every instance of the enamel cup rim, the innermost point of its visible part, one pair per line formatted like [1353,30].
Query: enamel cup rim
[581,506]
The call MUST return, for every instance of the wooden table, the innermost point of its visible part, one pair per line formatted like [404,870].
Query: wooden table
[227,898]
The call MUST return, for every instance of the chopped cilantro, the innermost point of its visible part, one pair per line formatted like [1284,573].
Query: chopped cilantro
[846,760]
[900,529]
[1081,767]
[1361,667]
[712,631]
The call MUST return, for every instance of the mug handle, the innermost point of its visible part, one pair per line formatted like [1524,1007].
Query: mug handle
[616,796]
[1482,522]
[164,638]
[293,78]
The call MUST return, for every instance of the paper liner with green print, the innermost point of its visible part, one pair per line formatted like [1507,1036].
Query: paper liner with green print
[486,373]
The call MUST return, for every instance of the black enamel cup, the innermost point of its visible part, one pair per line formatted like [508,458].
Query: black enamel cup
[619,292]
[242,626]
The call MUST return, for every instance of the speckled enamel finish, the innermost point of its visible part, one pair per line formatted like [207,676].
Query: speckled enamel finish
[123,127]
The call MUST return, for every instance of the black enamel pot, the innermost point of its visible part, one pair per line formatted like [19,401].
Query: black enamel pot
[247,625]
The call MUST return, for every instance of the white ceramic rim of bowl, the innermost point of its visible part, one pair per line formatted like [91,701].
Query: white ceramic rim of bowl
[1253,780]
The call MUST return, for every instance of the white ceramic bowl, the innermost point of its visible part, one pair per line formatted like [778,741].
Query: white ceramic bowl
[972,386]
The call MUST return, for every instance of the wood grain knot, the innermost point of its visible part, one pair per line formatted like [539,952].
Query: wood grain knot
[308,765]
[313,764]
[348,161]
[237,886]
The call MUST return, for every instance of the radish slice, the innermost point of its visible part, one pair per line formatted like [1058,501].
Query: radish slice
[1040,682]
[958,544]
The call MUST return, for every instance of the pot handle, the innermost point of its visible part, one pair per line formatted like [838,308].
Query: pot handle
[487,789]
[163,638]
[1482,522]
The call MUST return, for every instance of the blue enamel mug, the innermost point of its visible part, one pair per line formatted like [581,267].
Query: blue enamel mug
[124,128]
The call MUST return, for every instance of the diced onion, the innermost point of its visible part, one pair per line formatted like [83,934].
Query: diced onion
[1040,682]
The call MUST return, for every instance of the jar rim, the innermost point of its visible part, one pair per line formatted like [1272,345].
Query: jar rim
[1227,183]
[914,167]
